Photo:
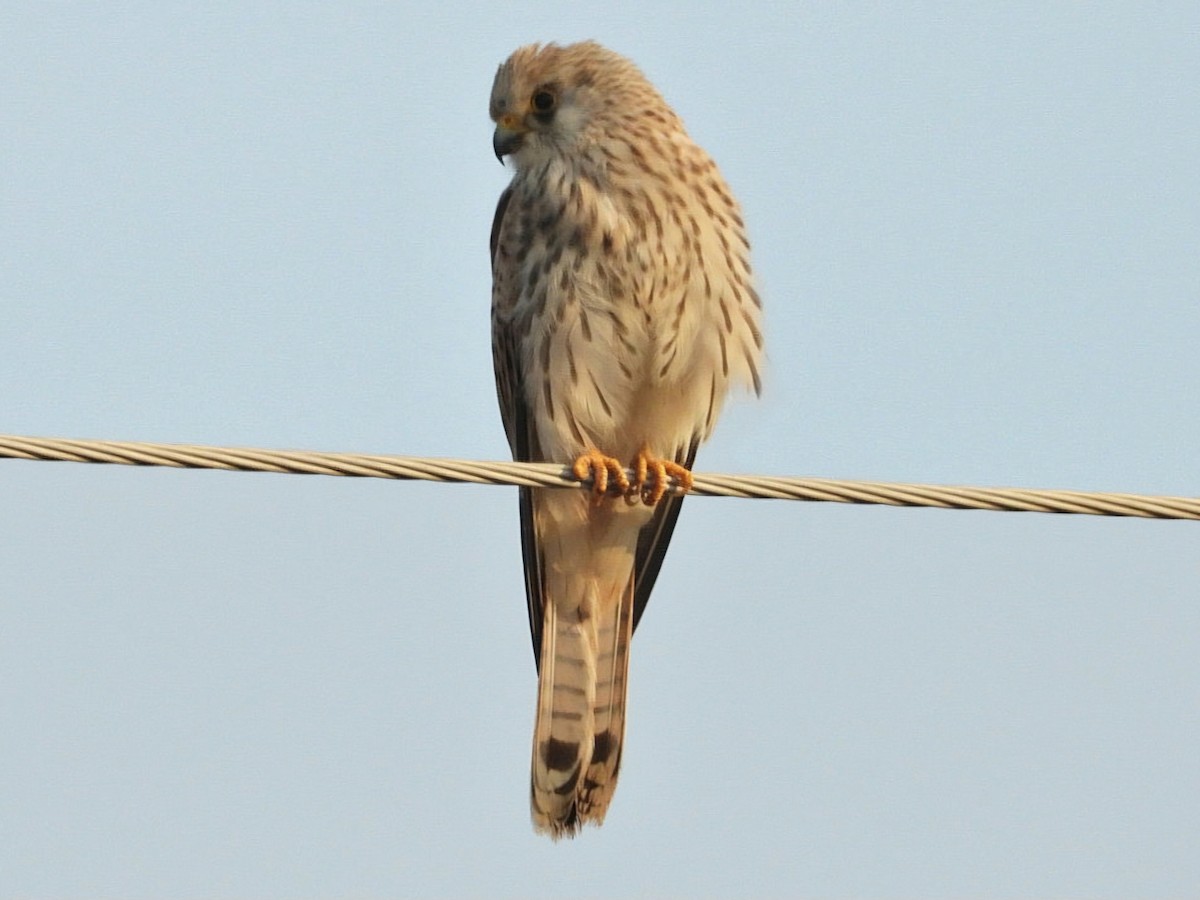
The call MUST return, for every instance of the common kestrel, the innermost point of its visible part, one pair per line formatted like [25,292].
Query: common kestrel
[622,313]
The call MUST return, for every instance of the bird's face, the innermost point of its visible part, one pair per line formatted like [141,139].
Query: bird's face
[543,102]
[525,116]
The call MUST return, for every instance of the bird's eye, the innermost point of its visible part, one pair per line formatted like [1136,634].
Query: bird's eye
[543,102]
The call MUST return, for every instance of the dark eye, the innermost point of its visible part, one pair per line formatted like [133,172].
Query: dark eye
[543,102]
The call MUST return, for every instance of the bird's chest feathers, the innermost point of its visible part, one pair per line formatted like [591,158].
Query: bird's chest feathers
[594,243]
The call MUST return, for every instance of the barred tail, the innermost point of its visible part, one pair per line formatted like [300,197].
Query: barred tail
[581,705]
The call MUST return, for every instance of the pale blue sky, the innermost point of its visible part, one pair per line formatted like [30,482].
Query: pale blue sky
[977,234]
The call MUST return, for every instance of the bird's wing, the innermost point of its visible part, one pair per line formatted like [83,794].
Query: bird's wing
[522,436]
[654,538]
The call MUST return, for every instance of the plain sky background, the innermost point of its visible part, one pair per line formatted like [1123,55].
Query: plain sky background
[977,232]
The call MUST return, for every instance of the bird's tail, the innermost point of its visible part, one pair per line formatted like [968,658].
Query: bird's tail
[581,703]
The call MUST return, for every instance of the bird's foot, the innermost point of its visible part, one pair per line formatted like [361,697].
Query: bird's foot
[652,478]
[601,470]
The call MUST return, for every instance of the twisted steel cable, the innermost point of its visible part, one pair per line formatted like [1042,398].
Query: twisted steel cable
[550,475]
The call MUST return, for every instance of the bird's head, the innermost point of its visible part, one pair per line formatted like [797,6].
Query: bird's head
[555,100]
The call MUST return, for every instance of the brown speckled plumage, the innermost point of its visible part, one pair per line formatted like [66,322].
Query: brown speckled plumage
[623,311]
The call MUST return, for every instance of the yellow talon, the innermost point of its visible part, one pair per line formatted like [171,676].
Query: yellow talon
[599,469]
[654,476]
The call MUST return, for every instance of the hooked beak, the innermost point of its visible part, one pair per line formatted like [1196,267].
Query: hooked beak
[507,138]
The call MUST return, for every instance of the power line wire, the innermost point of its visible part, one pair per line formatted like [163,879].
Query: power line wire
[550,475]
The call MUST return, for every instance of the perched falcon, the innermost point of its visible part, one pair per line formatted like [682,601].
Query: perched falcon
[622,313]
